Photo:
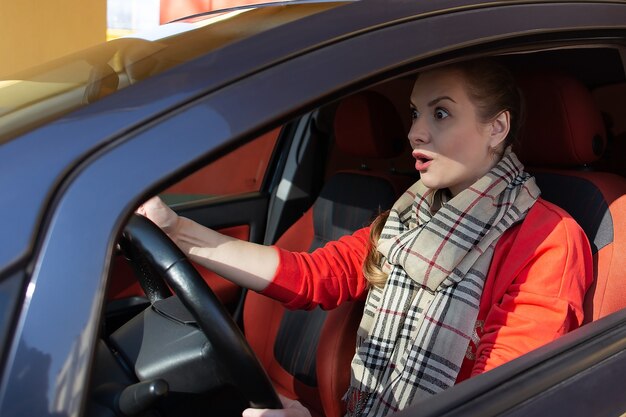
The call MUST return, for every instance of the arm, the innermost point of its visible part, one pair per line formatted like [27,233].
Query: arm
[222,254]
[327,277]
[544,299]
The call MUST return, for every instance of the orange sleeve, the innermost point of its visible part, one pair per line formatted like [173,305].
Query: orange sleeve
[543,301]
[327,277]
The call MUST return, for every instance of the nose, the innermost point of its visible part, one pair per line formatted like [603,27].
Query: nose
[418,134]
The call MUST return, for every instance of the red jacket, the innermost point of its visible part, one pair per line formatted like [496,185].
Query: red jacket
[533,294]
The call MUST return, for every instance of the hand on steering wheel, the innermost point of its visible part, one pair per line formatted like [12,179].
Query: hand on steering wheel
[161,215]
[291,408]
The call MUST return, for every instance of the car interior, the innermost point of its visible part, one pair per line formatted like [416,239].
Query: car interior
[345,151]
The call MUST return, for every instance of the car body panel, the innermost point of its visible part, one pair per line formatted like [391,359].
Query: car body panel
[546,378]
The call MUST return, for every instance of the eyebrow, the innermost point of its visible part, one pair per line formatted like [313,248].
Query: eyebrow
[433,102]
[438,99]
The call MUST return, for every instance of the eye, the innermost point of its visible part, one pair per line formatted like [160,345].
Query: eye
[414,113]
[440,113]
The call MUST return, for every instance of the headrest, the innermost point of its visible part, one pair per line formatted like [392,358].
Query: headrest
[563,126]
[368,125]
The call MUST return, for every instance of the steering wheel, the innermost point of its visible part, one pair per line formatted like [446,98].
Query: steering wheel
[143,239]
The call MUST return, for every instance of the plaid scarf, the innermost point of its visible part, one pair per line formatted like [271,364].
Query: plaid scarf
[416,330]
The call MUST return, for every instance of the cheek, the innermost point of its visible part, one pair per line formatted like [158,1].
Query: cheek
[458,139]
[466,146]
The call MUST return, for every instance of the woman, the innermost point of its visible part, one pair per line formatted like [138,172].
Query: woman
[468,270]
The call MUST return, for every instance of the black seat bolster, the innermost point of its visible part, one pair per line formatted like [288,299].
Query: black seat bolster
[348,202]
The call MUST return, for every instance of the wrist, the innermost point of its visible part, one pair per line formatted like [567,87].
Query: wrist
[193,239]
[176,230]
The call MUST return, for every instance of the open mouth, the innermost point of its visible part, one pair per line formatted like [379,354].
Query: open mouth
[421,161]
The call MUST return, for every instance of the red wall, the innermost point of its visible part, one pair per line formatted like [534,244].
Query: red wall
[174,9]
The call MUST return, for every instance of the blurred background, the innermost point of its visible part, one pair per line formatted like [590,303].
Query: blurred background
[36,31]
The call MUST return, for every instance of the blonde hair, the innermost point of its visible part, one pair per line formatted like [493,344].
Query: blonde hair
[373,261]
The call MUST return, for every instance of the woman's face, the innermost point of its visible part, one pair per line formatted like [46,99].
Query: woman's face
[451,146]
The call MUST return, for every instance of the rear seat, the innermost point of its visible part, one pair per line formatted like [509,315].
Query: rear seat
[563,134]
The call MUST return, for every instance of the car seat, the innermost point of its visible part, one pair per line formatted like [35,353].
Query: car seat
[563,134]
[307,354]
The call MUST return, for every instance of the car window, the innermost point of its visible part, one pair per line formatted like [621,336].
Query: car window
[240,171]
[36,96]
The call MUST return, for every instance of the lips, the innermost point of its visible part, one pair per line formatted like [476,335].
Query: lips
[422,161]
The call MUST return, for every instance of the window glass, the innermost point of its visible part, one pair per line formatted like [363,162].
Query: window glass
[38,95]
[240,171]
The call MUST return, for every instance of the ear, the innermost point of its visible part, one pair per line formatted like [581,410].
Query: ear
[499,128]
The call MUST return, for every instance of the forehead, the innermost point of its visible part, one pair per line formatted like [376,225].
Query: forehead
[437,83]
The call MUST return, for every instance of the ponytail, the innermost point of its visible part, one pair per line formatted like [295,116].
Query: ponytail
[372,265]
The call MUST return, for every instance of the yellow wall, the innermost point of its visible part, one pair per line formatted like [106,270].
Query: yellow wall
[35,31]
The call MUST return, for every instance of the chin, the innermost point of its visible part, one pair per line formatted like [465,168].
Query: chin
[431,182]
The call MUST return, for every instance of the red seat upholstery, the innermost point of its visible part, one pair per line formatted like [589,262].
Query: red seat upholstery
[563,134]
[307,353]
